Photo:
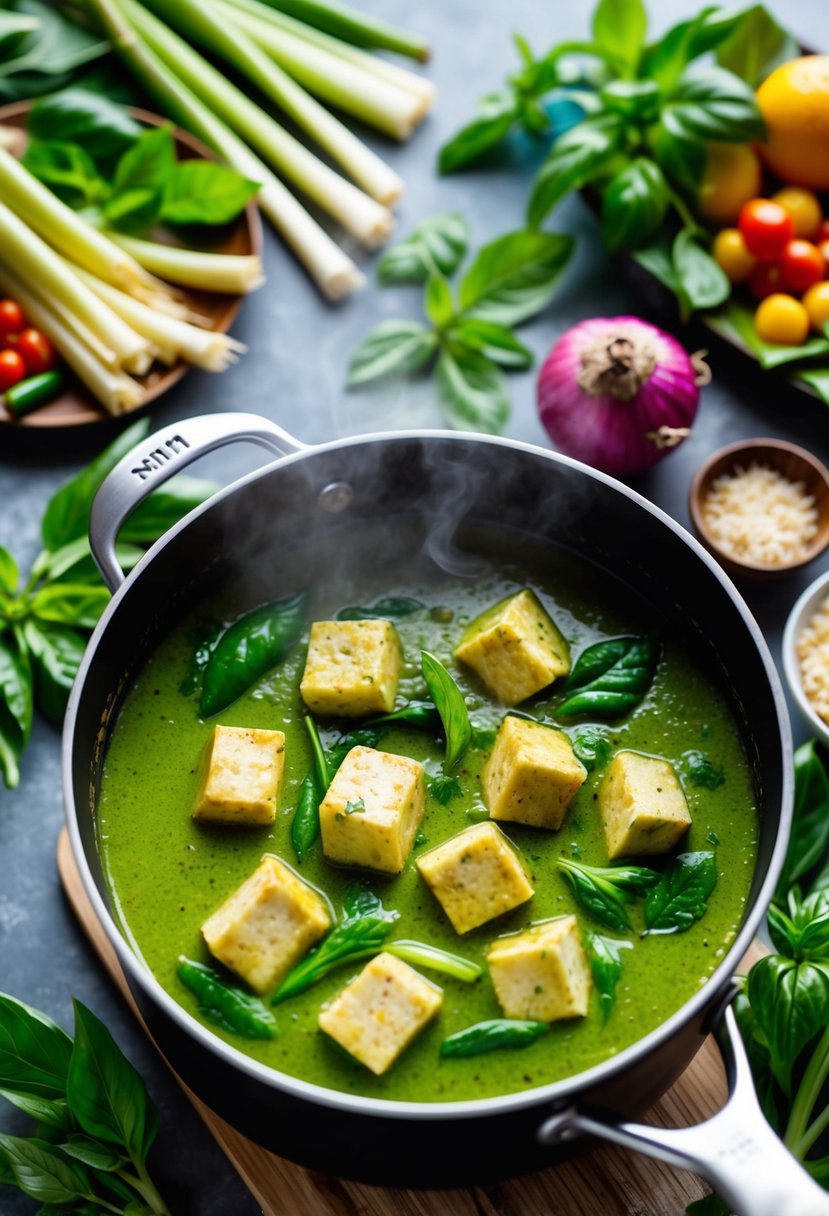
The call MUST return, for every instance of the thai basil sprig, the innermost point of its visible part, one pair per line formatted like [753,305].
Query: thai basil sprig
[603,891]
[611,677]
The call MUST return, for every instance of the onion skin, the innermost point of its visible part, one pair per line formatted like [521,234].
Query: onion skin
[609,432]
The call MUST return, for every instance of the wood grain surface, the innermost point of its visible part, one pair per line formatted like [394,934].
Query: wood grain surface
[606,1182]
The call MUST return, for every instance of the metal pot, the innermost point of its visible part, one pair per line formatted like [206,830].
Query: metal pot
[332,499]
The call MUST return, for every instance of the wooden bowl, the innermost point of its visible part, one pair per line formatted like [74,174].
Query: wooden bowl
[76,407]
[792,462]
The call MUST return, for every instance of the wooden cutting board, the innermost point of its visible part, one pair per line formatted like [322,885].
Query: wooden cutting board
[609,1180]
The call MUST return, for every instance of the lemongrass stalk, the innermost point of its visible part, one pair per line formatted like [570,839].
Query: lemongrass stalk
[66,230]
[374,101]
[231,273]
[23,251]
[330,268]
[359,214]
[199,23]
[374,65]
[345,22]
[214,352]
[117,392]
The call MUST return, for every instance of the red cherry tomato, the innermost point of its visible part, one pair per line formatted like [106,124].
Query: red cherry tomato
[765,279]
[822,233]
[12,319]
[36,351]
[824,253]
[12,369]
[766,227]
[801,265]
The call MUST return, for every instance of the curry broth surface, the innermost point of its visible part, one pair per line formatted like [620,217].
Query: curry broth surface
[167,874]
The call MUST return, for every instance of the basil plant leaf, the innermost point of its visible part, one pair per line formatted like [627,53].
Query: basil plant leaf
[656,259]
[204,192]
[592,748]
[80,116]
[141,178]
[497,113]
[34,1052]
[576,157]
[451,706]
[67,170]
[15,707]
[605,957]
[40,60]
[56,652]
[611,677]
[493,341]
[709,103]
[164,508]
[515,276]
[13,30]
[789,1002]
[473,391]
[810,823]
[603,891]
[493,1035]
[701,283]
[49,1112]
[437,243]
[756,45]
[634,203]
[393,348]
[89,1152]
[619,28]
[76,604]
[681,159]
[42,1172]
[680,897]
[438,303]
[9,572]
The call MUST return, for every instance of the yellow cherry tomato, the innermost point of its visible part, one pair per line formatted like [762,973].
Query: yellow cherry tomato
[816,303]
[732,256]
[732,176]
[804,208]
[782,320]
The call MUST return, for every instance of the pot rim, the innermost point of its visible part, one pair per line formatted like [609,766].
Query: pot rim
[557,1092]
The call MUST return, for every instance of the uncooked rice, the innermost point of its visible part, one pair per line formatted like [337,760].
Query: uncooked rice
[813,657]
[757,515]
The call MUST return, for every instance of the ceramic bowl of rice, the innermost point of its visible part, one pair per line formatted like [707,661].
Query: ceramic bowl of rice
[761,507]
[806,656]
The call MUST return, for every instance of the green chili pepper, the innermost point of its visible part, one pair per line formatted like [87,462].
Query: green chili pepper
[305,825]
[229,1007]
[248,649]
[33,392]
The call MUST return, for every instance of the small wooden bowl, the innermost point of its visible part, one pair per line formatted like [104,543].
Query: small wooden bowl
[792,462]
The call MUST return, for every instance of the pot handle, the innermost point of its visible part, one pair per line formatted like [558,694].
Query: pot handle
[735,1150]
[158,458]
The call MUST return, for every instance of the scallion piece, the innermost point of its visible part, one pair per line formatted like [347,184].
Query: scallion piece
[421,954]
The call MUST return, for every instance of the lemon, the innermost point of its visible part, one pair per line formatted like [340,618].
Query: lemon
[794,101]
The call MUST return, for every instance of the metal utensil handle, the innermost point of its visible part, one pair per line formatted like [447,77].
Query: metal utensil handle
[158,458]
[735,1150]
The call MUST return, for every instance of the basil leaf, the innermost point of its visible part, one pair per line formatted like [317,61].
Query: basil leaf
[67,515]
[43,1173]
[393,348]
[810,823]
[680,896]
[789,1002]
[682,160]
[592,748]
[576,157]
[78,604]
[701,772]
[392,608]
[140,181]
[515,276]
[605,958]
[611,677]
[56,652]
[701,283]
[619,27]
[438,304]
[634,203]
[165,507]
[437,243]
[334,756]
[634,99]
[107,1096]
[665,60]
[473,391]
[421,715]
[603,891]
[225,1004]
[497,112]
[34,1052]
[67,170]
[451,706]
[445,789]
[80,116]
[710,103]
[491,1036]
[13,30]
[50,1112]
[15,707]
[656,259]
[89,1152]
[9,572]
[493,341]
[305,825]
[709,1205]
[43,58]
[204,192]
[756,46]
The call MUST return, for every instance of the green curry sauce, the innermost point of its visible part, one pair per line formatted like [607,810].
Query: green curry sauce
[167,874]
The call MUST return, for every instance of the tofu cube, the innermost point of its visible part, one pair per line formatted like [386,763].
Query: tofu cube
[372,810]
[267,924]
[377,1015]
[475,876]
[515,648]
[541,974]
[243,776]
[532,775]
[642,806]
[352,668]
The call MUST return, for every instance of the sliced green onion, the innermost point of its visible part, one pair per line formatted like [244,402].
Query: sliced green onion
[420,954]
[345,22]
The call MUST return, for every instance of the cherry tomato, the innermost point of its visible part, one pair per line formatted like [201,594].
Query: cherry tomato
[782,320]
[822,233]
[36,351]
[803,207]
[12,319]
[731,255]
[765,280]
[766,227]
[824,253]
[816,303]
[801,265]
[12,369]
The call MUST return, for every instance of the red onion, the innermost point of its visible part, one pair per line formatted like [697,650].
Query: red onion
[618,394]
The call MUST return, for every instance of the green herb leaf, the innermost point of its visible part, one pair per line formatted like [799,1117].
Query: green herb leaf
[604,891]
[204,192]
[605,957]
[305,825]
[80,116]
[515,276]
[204,638]
[90,1152]
[79,605]
[49,1112]
[438,303]
[611,677]
[592,748]
[619,28]
[357,807]
[445,789]
[392,609]
[709,103]
[576,158]
[497,112]
[34,1052]
[437,243]
[680,897]
[225,1004]
[323,771]
[473,391]
[756,46]
[15,707]
[491,1036]
[789,1002]
[494,341]
[422,954]
[107,1096]
[42,1172]
[9,573]
[810,824]
[657,259]
[334,756]
[701,283]
[165,507]
[393,348]
[420,715]
[56,652]
[709,1205]
[682,160]
[451,706]
[41,59]
[67,170]
[140,181]
[701,772]
[634,203]
[634,99]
